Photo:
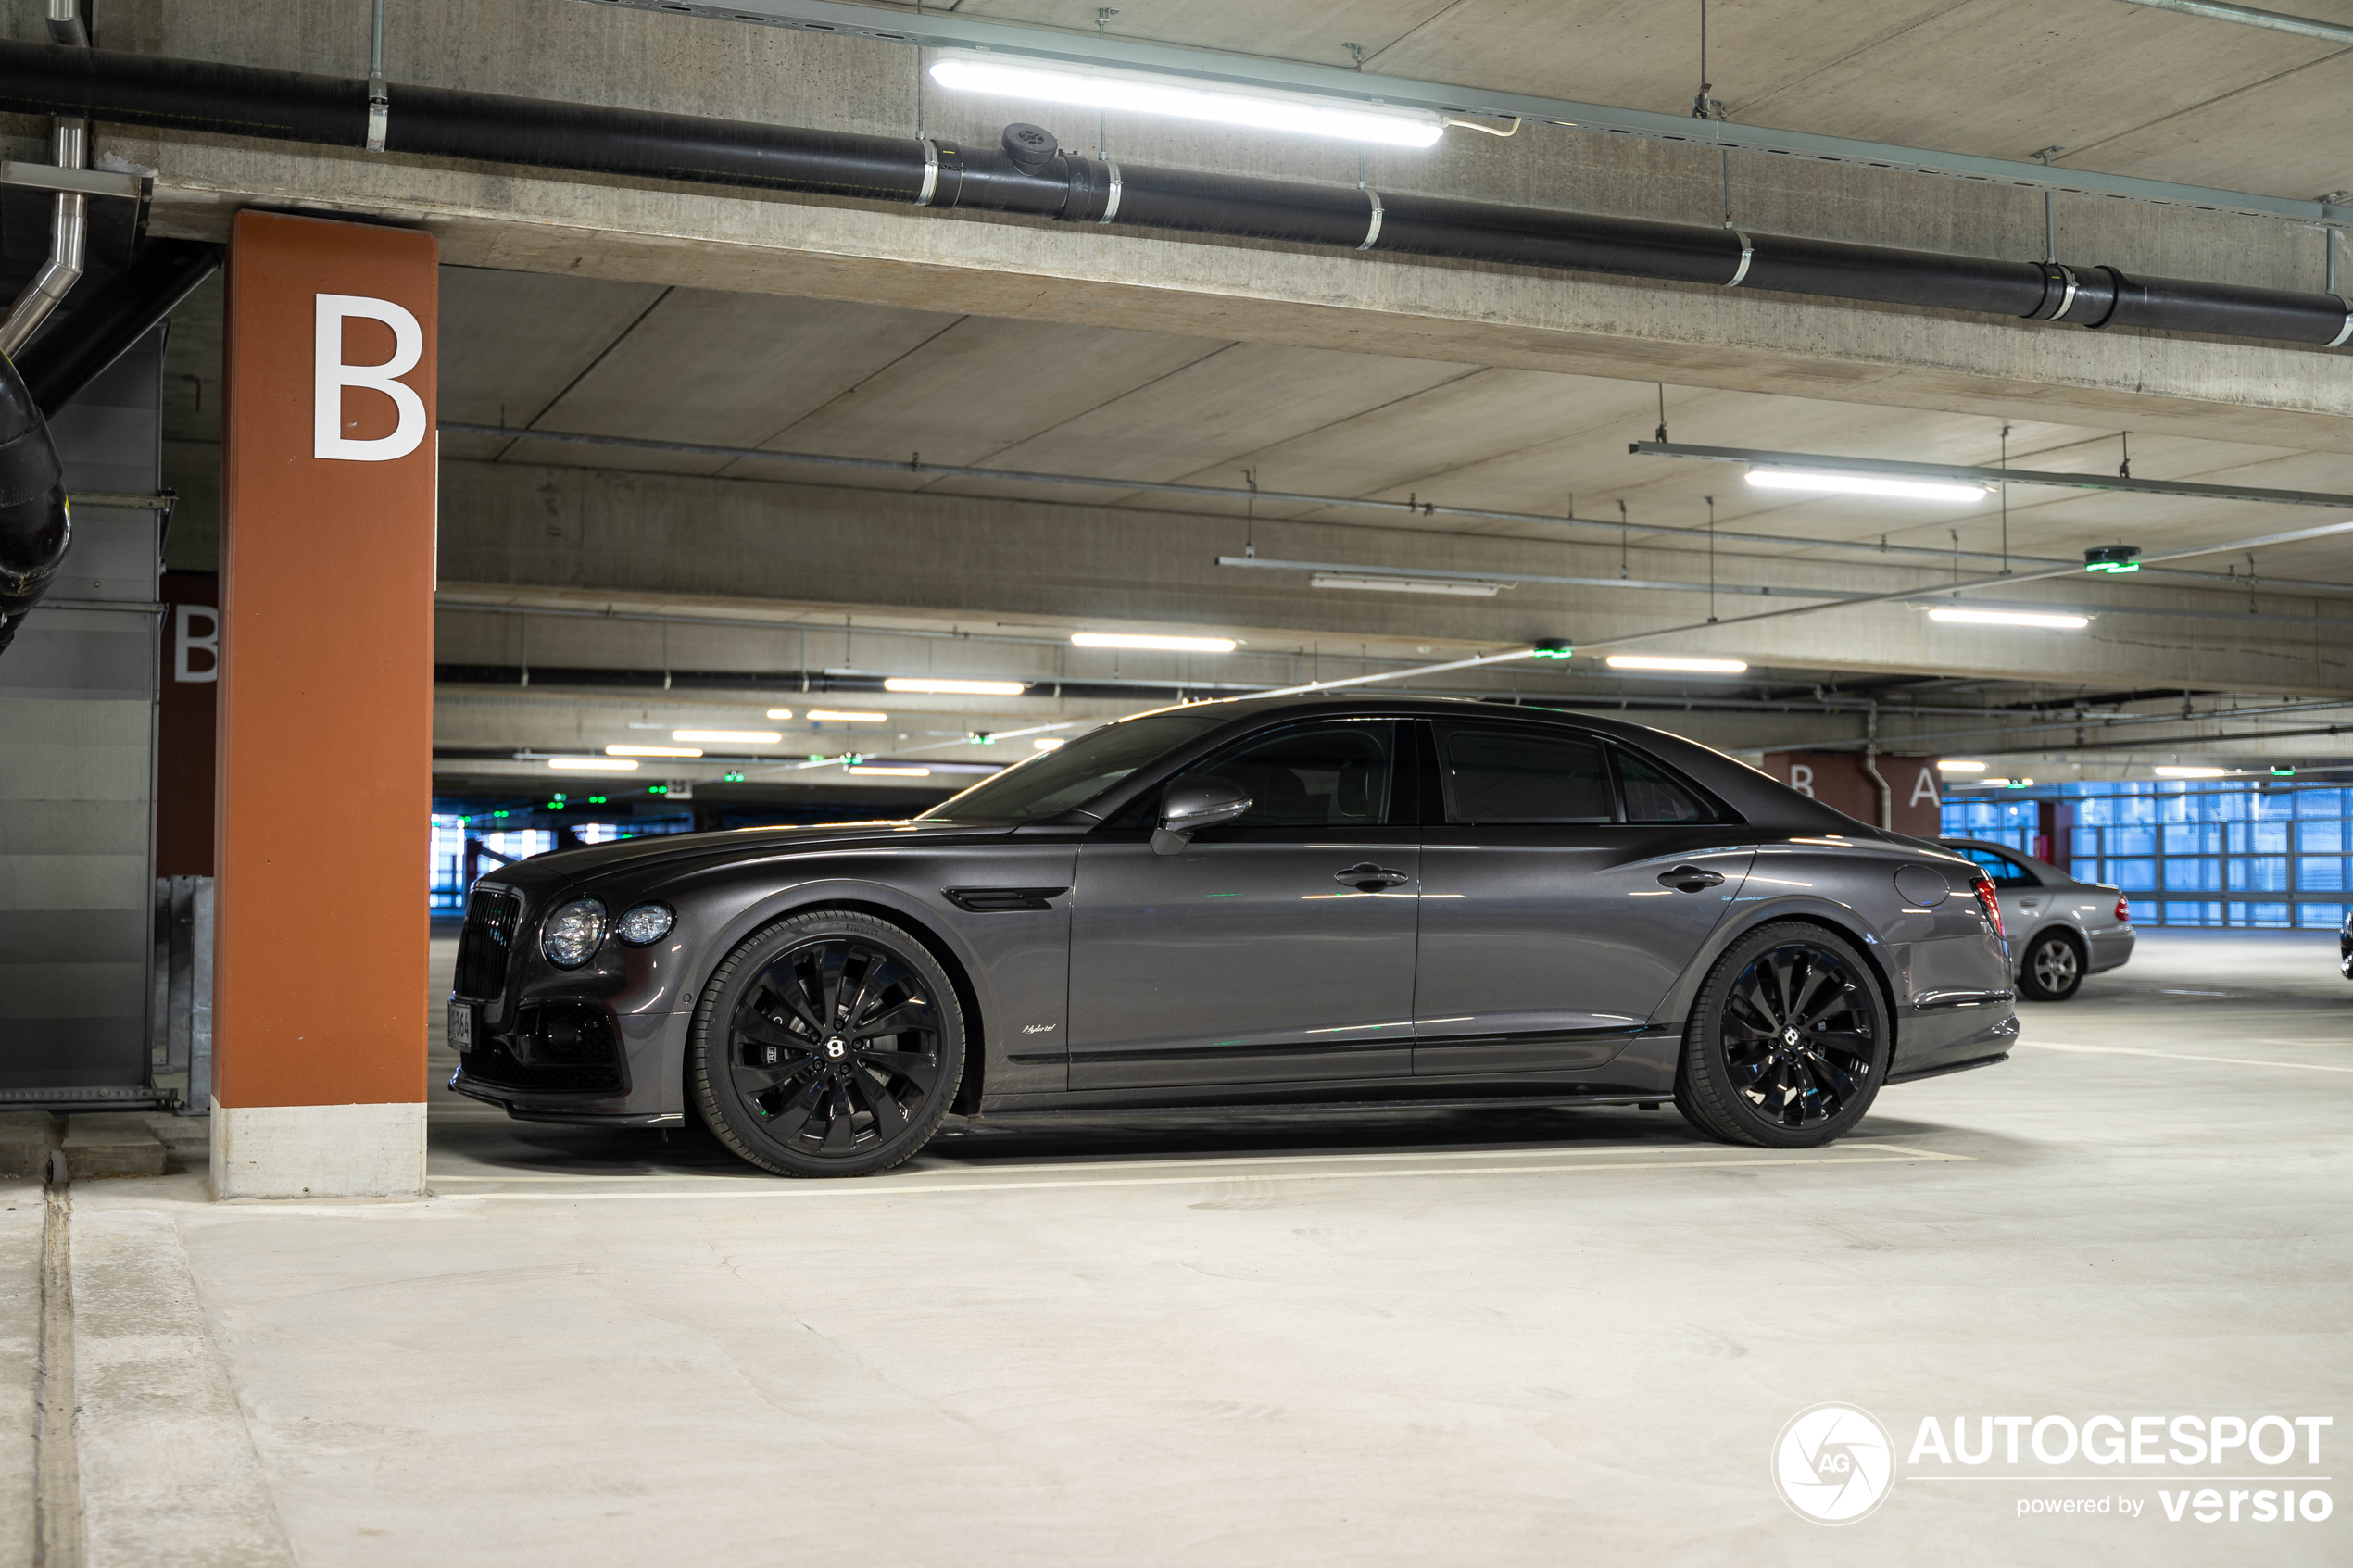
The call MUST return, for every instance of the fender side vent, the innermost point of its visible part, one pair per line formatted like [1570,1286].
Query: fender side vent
[1002,901]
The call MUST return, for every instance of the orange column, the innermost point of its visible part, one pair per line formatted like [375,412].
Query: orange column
[325,769]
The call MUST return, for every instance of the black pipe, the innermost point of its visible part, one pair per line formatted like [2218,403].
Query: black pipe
[1029,174]
[34,527]
[100,321]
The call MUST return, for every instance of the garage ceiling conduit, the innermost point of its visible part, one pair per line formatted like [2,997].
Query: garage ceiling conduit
[1031,175]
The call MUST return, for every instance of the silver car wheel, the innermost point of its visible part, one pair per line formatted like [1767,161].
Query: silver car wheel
[2053,971]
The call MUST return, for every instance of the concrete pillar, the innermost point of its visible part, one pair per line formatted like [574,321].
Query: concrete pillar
[326,702]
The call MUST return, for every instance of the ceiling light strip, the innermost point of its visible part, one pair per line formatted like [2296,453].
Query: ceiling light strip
[1980,476]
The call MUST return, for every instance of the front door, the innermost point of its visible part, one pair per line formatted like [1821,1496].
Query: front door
[1279,947]
[1562,898]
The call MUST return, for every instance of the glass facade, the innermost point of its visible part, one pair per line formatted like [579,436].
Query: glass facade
[2233,854]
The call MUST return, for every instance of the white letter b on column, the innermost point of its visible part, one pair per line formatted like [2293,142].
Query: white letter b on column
[332,375]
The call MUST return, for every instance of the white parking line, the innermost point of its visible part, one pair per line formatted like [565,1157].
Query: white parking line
[2185,1056]
[1854,1154]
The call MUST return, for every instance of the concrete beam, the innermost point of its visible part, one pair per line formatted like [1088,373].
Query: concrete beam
[980,560]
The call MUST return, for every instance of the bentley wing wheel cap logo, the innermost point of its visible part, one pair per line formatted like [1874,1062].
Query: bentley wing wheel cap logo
[1833,1463]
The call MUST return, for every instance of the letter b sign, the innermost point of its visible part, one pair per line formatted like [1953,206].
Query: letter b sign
[333,376]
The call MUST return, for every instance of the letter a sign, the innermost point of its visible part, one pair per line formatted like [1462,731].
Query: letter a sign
[331,378]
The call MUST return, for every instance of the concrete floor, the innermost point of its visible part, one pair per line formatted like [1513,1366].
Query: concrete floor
[1540,1337]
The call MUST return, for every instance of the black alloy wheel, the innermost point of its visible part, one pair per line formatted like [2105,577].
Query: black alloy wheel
[829,1044]
[1788,1041]
[2053,971]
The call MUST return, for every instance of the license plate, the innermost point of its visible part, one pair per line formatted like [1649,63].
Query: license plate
[462,1025]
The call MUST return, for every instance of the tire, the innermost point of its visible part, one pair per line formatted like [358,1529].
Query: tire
[2052,969]
[780,1080]
[1759,1071]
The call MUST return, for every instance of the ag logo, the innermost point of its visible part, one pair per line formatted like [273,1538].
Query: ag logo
[1833,1463]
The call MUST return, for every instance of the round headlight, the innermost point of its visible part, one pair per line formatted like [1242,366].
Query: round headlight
[647,922]
[571,935]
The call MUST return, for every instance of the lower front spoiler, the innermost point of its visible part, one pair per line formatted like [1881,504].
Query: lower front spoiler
[593,1112]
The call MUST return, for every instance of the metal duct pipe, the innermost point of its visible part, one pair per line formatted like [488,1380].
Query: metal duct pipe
[1031,174]
[69,233]
[34,525]
[111,315]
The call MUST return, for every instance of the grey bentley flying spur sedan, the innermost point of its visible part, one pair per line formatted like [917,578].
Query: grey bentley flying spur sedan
[1322,901]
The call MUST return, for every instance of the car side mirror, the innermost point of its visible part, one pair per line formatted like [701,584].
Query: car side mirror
[1193,805]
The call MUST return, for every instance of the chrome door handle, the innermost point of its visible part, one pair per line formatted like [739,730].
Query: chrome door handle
[1690,879]
[1366,877]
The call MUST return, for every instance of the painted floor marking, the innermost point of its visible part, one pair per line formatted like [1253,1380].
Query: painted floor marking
[872,1188]
[1113,1165]
[2185,1056]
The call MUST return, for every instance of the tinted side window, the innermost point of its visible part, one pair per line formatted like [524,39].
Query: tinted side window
[2004,871]
[1513,777]
[1651,797]
[1318,775]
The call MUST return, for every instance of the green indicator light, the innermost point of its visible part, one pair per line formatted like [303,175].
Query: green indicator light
[732,778]
[2115,568]
[1553,647]
[497,813]
[814,757]
[2284,773]
[595,800]
[658,789]
[560,795]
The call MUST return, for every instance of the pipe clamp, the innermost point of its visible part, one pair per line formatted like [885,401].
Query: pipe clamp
[1372,231]
[931,173]
[2067,300]
[1111,202]
[2345,331]
[378,113]
[1748,254]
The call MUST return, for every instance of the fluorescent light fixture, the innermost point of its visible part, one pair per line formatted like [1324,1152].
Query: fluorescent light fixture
[780,713]
[954,688]
[593,764]
[2189,772]
[1864,485]
[745,737]
[891,773]
[1049,743]
[1145,640]
[841,716]
[2012,617]
[1982,784]
[1405,584]
[1136,92]
[1663,661]
[1957,765]
[652,751]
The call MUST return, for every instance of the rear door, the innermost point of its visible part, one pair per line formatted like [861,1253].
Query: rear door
[1276,948]
[1567,884]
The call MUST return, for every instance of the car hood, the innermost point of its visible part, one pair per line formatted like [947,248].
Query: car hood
[633,858]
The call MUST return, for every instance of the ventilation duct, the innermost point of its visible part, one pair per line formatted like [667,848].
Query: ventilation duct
[34,529]
[1030,174]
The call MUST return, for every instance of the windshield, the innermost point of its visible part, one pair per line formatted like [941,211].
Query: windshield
[1053,781]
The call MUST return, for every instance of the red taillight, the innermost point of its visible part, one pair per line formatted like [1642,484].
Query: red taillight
[1992,906]
[2123,910]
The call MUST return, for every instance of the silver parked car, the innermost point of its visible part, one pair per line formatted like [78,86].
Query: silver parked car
[2060,929]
